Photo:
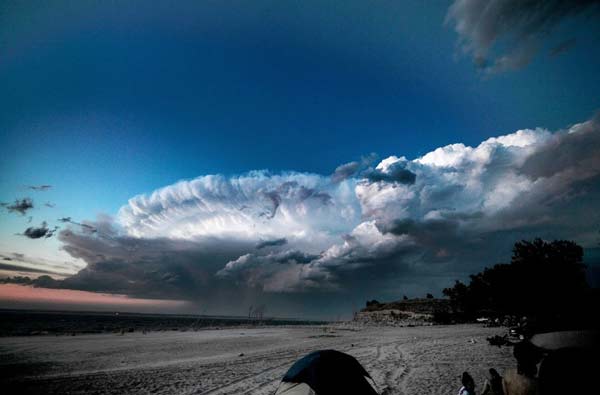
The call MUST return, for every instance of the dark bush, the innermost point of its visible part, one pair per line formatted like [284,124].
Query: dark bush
[372,303]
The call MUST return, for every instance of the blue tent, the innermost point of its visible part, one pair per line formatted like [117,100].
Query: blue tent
[327,372]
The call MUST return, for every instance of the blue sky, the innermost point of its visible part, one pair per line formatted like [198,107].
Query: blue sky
[106,101]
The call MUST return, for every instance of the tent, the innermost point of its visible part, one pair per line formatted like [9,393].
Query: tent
[327,372]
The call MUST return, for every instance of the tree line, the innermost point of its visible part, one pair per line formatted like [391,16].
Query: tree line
[544,281]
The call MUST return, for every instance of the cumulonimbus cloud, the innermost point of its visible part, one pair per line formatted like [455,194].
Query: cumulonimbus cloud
[418,225]
[520,25]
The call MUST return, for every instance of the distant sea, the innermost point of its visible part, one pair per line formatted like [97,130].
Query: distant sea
[33,322]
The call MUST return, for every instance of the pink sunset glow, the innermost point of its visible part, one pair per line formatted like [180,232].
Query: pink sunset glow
[14,293]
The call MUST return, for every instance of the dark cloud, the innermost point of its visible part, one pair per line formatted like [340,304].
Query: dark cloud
[84,226]
[352,169]
[579,149]
[396,172]
[275,200]
[61,268]
[22,280]
[519,25]
[281,272]
[271,243]
[563,47]
[40,232]
[44,281]
[345,171]
[40,187]
[17,268]
[20,206]
[154,268]
[292,190]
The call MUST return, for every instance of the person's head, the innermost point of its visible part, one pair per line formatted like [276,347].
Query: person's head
[494,374]
[527,356]
[467,381]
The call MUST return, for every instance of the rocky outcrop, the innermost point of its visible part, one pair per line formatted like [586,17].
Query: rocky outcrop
[403,313]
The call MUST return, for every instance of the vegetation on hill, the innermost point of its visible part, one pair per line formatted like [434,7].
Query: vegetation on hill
[420,306]
[545,281]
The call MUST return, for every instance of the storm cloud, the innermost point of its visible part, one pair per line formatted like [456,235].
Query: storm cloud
[406,226]
[519,27]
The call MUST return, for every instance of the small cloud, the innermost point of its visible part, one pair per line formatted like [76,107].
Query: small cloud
[39,188]
[40,232]
[563,47]
[50,205]
[345,171]
[271,243]
[20,206]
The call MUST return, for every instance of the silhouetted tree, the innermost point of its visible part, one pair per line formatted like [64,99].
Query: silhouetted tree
[429,296]
[543,279]
[405,297]
[373,303]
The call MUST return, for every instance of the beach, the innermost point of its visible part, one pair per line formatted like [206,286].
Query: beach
[427,359]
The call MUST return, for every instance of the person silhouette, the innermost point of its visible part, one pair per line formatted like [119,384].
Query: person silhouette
[468,385]
[493,384]
[522,380]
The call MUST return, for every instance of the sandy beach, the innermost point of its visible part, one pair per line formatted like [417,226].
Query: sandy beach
[425,360]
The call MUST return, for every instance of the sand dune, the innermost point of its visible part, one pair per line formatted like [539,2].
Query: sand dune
[425,360]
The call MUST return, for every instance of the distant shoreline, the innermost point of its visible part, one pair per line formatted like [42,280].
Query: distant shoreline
[48,322]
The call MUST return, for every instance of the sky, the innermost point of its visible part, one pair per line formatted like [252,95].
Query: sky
[206,156]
